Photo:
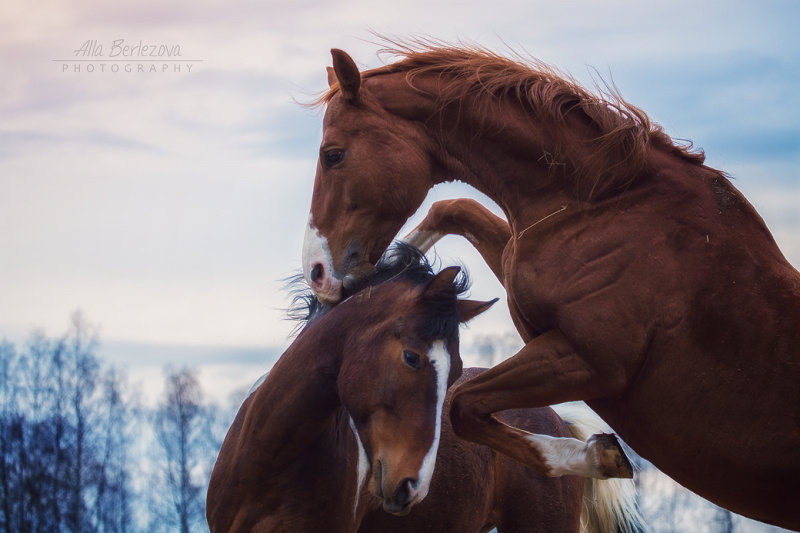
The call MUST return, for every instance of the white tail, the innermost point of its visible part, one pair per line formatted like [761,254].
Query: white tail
[609,505]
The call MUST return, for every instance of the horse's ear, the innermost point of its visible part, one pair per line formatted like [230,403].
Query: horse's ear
[347,74]
[469,309]
[441,282]
[331,77]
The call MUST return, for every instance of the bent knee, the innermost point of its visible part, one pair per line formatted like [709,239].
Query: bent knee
[466,415]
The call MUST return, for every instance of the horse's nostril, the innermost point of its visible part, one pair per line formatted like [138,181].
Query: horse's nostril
[405,491]
[317,272]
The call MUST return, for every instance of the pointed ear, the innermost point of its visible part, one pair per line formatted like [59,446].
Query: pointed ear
[469,309]
[443,281]
[347,75]
[331,76]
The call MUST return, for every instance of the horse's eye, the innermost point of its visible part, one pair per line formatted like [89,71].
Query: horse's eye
[412,359]
[333,157]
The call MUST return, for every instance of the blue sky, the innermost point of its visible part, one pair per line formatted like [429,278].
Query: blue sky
[169,206]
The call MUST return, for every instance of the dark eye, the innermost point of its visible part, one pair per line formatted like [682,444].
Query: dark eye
[412,359]
[333,157]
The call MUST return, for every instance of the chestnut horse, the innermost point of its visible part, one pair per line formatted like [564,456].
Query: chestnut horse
[349,419]
[641,280]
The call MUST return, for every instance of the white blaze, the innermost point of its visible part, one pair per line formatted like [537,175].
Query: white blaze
[440,359]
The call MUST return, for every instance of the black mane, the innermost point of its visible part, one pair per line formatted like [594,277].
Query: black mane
[401,262]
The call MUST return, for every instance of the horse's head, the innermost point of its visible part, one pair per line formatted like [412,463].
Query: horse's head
[400,358]
[374,171]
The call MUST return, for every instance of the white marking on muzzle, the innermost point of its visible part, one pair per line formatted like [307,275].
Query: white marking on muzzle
[315,250]
[440,359]
[363,467]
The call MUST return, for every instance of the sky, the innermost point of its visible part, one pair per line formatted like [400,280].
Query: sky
[169,205]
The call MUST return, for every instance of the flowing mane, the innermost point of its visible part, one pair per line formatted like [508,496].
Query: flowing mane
[622,134]
[400,263]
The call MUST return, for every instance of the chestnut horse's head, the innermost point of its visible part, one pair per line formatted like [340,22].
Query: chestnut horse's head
[374,171]
[400,344]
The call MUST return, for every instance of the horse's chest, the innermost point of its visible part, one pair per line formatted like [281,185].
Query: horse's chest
[549,274]
[524,281]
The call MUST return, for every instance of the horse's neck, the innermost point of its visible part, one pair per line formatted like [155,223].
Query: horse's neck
[292,438]
[503,153]
[294,413]
[297,400]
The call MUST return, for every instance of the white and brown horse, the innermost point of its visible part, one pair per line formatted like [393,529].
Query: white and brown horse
[640,279]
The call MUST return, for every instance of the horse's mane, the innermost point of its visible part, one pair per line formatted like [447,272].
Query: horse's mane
[611,160]
[401,262]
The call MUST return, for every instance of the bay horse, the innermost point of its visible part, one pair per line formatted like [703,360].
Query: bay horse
[640,279]
[346,426]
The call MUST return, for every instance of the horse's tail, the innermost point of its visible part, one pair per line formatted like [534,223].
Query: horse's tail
[609,505]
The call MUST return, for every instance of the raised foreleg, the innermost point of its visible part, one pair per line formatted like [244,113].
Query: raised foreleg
[487,232]
[546,371]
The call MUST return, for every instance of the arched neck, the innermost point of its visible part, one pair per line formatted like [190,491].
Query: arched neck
[499,149]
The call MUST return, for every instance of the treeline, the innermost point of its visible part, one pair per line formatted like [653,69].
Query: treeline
[80,452]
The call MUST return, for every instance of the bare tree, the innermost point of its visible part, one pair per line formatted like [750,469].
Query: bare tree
[723,518]
[81,382]
[489,349]
[181,425]
[61,456]
[8,408]
[112,510]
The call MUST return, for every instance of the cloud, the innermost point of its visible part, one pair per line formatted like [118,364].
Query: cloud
[15,142]
[222,369]
[169,205]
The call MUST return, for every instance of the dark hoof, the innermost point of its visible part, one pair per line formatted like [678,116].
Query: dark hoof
[609,456]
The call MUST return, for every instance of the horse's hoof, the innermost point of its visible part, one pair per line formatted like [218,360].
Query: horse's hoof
[609,457]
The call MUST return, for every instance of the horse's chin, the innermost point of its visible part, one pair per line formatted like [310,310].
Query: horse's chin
[329,294]
[397,510]
[328,300]
[356,276]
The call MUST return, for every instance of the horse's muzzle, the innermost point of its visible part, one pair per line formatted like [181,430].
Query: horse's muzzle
[396,500]
[318,268]
[403,498]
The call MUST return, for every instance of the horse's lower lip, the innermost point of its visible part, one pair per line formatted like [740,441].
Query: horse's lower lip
[329,293]
[323,299]
[397,510]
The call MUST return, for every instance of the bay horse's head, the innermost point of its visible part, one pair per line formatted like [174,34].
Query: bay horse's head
[400,353]
[373,172]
